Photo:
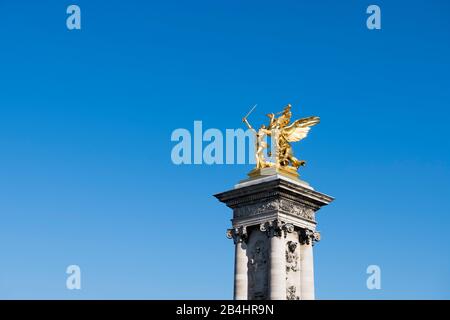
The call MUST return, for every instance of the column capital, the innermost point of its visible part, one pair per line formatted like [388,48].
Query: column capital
[307,236]
[238,234]
[276,228]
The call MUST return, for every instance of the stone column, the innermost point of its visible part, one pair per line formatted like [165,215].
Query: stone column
[307,238]
[284,210]
[277,273]
[239,236]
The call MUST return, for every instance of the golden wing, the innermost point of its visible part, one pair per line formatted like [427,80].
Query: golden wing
[299,129]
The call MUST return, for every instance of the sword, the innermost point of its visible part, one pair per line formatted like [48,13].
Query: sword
[251,110]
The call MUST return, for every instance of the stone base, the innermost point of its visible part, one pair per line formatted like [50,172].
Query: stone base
[257,179]
[290,172]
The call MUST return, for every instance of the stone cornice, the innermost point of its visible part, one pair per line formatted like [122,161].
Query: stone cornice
[279,188]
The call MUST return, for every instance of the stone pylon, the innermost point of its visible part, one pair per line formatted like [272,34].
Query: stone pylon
[274,230]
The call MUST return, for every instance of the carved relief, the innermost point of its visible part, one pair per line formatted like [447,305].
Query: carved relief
[257,268]
[297,210]
[292,253]
[291,293]
[288,207]
[256,209]
[291,257]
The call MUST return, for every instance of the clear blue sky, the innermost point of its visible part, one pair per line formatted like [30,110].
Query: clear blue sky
[86,116]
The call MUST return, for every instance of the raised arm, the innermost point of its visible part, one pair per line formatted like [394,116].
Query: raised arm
[248,124]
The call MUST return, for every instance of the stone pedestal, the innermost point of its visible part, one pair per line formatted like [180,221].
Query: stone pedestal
[274,229]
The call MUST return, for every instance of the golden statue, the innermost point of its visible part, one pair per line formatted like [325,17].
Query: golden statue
[282,133]
[261,144]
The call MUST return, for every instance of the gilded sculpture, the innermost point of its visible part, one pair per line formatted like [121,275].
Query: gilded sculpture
[282,133]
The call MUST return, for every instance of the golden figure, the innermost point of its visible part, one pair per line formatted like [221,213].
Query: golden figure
[261,144]
[283,133]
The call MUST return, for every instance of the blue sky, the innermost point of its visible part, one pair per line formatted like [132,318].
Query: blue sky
[86,176]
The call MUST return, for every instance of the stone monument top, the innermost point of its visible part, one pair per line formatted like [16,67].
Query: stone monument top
[274,217]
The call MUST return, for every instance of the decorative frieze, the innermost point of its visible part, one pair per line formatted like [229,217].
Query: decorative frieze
[256,209]
[275,205]
[275,189]
[296,209]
